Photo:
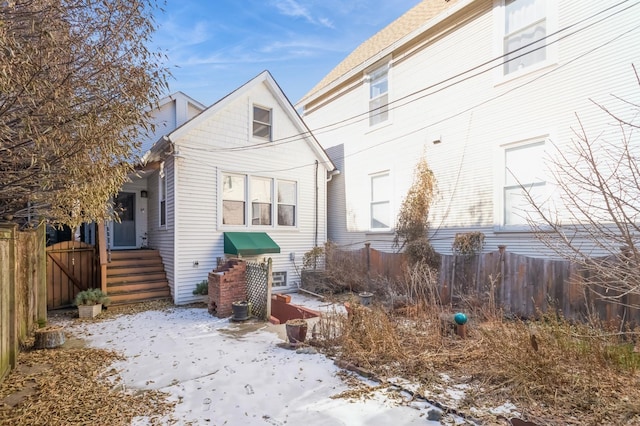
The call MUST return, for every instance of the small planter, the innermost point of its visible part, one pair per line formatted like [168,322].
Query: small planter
[296,331]
[89,311]
[365,298]
[90,302]
[240,310]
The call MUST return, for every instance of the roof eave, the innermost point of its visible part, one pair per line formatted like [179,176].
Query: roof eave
[311,97]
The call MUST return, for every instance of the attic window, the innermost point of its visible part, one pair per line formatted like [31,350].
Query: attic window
[261,123]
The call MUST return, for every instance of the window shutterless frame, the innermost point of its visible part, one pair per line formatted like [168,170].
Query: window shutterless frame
[262,122]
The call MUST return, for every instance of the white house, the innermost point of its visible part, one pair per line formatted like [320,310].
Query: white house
[247,164]
[484,89]
[132,230]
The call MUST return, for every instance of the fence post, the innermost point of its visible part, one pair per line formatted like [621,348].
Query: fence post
[9,317]
[501,250]
[103,254]
[41,286]
[269,286]
[367,249]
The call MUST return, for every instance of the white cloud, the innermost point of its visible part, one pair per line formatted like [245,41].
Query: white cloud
[294,9]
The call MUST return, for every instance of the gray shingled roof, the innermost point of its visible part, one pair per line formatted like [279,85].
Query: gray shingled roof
[401,27]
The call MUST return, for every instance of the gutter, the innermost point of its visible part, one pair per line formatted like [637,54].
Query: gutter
[332,173]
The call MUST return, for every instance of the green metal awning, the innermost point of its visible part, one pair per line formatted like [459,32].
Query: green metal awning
[249,243]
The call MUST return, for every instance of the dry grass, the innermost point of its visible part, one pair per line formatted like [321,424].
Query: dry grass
[555,371]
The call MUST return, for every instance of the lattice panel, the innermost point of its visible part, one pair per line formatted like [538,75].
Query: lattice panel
[257,288]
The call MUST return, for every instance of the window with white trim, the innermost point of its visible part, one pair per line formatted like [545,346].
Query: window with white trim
[262,122]
[378,95]
[253,197]
[380,202]
[287,193]
[525,27]
[162,198]
[233,199]
[261,201]
[523,174]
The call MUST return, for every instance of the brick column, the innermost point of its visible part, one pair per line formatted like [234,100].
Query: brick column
[227,284]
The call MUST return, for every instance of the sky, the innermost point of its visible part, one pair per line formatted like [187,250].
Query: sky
[215,46]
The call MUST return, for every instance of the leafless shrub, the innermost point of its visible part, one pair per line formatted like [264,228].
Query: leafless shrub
[597,179]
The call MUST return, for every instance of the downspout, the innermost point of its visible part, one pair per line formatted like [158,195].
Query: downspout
[315,237]
[333,173]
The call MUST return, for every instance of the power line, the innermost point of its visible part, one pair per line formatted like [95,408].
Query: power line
[283,140]
[451,80]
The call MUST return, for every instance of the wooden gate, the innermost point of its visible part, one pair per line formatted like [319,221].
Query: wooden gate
[71,267]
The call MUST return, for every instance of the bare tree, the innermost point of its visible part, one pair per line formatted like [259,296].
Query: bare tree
[77,81]
[594,218]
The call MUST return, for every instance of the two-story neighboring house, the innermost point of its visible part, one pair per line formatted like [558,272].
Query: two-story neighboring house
[242,177]
[485,90]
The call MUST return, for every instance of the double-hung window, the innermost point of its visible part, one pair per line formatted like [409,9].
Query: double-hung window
[253,197]
[262,122]
[523,179]
[233,199]
[525,29]
[261,201]
[380,202]
[379,95]
[286,203]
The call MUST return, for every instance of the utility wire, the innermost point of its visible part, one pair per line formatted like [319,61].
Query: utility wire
[257,146]
[409,98]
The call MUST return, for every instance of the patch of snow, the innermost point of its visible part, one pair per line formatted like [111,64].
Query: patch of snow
[220,372]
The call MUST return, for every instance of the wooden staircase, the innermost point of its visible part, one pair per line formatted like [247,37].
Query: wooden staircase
[136,276]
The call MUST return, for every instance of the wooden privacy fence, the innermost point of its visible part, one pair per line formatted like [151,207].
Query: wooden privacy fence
[525,285]
[23,302]
[521,285]
[372,262]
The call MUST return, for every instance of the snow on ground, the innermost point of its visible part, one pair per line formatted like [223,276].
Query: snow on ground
[226,373]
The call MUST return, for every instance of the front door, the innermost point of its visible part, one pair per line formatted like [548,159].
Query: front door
[124,232]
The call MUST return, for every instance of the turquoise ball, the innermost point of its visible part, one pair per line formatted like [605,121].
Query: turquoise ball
[460,318]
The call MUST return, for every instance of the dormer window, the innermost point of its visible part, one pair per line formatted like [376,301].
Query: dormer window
[261,123]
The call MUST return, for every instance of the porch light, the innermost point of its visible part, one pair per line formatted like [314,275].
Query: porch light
[144,193]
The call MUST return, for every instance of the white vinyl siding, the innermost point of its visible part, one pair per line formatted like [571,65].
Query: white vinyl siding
[207,154]
[475,118]
[162,238]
